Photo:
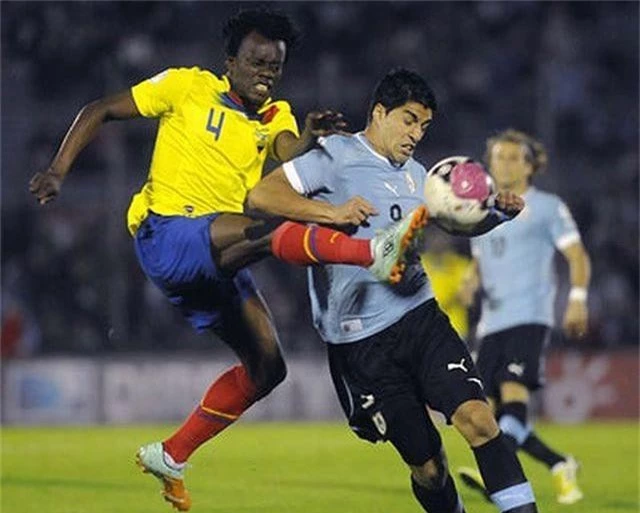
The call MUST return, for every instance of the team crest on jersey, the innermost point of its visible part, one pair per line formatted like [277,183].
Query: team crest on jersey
[410,182]
[262,138]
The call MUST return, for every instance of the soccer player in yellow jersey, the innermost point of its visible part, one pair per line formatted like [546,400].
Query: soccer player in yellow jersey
[190,235]
[452,279]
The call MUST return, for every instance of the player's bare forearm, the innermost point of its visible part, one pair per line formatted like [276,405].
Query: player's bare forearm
[86,126]
[46,185]
[274,196]
[288,146]
[579,265]
[576,316]
[317,124]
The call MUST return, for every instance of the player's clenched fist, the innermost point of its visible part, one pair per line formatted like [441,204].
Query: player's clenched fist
[45,186]
[324,123]
[354,212]
[576,319]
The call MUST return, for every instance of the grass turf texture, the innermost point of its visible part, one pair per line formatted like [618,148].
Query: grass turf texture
[283,468]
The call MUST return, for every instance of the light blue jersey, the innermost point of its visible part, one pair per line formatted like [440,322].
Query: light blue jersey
[347,302]
[516,263]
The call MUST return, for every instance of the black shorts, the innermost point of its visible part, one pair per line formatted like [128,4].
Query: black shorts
[384,381]
[514,354]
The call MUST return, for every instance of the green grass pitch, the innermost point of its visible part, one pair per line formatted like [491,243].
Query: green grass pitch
[283,468]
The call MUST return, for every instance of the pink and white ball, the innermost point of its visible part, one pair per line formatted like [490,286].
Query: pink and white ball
[459,194]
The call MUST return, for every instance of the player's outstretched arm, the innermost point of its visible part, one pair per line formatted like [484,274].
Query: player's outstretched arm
[45,186]
[576,316]
[317,124]
[275,196]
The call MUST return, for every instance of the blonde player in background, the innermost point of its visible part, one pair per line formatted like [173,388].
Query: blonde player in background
[515,266]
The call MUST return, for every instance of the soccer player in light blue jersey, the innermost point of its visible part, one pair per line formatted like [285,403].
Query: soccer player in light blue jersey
[392,351]
[515,265]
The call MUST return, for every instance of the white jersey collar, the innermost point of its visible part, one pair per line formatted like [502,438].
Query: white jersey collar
[363,140]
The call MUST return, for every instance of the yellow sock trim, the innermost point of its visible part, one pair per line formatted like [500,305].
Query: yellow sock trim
[307,247]
[219,413]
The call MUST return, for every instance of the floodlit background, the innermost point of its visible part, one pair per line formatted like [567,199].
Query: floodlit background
[85,338]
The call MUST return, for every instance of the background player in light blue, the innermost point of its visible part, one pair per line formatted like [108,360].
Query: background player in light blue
[391,349]
[515,264]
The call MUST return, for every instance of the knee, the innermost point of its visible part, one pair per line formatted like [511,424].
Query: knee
[476,422]
[432,474]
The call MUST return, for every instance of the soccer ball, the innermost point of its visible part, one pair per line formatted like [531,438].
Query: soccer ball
[459,194]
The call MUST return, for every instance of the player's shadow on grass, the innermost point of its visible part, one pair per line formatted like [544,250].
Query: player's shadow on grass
[354,486]
[56,482]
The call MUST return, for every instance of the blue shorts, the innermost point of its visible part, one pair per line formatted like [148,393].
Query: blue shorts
[175,254]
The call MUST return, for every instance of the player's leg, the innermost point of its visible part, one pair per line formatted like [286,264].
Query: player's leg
[488,365]
[453,386]
[434,487]
[412,433]
[513,419]
[171,250]
[502,474]
[247,328]
[255,341]
[383,255]
[513,412]
[564,472]
[417,441]
[175,254]
[521,374]
[518,373]
[252,336]
[379,400]
[238,240]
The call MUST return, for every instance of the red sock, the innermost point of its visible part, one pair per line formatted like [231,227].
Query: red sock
[225,400]
[304,245]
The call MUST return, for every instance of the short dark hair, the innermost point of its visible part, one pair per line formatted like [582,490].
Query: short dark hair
[273,25]
[400,86]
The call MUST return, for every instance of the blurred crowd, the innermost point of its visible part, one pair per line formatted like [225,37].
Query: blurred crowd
[567,72]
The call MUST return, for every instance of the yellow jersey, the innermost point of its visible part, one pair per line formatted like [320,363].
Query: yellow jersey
[209,151]
[446,273]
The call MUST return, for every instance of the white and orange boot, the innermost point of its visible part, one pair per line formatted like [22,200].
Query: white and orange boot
[389,245]
[152,460]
